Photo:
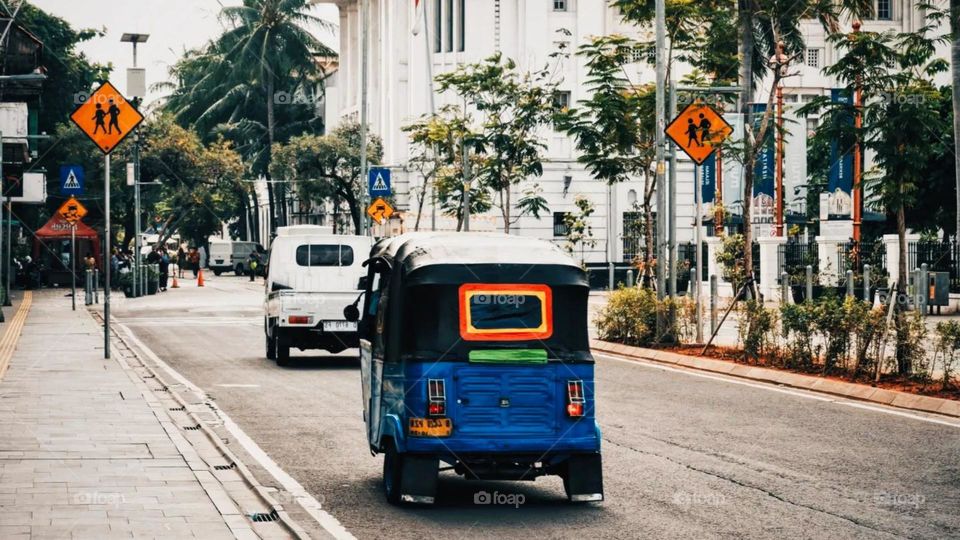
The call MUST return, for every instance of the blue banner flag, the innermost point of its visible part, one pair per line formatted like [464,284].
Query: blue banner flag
[765,169]
[840,178]
[708,179]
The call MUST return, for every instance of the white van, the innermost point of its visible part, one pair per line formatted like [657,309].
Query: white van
[227,255]
[311,277]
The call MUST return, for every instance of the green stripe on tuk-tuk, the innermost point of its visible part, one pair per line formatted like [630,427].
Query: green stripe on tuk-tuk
[509,356]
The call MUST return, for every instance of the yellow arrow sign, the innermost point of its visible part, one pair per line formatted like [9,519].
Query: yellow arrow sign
[380,210]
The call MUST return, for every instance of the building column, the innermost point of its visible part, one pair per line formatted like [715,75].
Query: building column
[892,244]
[770,265]
[828,250]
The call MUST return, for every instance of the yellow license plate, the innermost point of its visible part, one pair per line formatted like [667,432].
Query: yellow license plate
[431,427]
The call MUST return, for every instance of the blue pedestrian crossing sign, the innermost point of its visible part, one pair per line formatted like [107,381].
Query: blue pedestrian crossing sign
[379,181]
[71,180]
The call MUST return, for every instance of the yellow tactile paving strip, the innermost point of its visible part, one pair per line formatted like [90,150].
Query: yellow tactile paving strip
[10,338]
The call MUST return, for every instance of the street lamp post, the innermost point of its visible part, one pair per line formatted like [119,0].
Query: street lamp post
[857,190]
[780,61]
[134,39]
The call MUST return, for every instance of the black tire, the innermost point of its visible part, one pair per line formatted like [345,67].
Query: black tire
[239,270]
[392,468]
[271,348]
[283,351]
[217,272]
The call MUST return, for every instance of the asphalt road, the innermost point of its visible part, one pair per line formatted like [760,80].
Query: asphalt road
[685,454]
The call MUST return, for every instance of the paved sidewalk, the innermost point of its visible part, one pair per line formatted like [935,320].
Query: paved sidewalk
[89,449]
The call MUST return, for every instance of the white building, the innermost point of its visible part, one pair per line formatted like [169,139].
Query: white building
[462,31]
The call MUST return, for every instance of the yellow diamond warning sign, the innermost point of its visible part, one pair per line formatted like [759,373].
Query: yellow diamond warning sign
[380,210]
[106,117]
[698,131]
[72,211]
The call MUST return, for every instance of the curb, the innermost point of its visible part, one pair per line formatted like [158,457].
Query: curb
[283,517]
[860,392]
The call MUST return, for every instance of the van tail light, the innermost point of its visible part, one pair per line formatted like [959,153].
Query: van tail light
[436,398]
[300,319]
[575,399]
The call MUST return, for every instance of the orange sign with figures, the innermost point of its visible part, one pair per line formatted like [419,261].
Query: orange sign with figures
[106,117]
[698,131]
[72,211]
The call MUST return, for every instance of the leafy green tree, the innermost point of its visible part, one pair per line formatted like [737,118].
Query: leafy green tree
[579,231]
[614,127]
[513,107]
[326,168]
[266,61]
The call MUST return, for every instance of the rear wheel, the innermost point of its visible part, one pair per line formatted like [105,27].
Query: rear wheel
[283,351]
[238,269]
[392,469]
[271,348]
[217,272]
[583,478]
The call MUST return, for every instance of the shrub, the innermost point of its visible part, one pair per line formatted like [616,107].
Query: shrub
[756,330]
[630,317]
[948,348]
[833,325]
[797,326]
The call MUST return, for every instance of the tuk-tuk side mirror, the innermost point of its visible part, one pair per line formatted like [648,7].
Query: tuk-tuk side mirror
[351,313]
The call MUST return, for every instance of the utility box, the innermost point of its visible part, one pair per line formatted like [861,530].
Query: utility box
[13,120]
[938,289]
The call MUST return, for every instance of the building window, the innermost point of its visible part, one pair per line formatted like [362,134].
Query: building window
[807,98]
[462,26]
[812,125]
[437,26]
[884,10]
[559,5]
[560,224]
[813,58]
[561,99]
[449,19]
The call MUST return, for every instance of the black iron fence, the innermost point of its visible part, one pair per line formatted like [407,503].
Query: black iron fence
[794,257]
[853,256]
[939,257]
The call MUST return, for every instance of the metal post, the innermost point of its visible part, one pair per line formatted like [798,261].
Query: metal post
[661,80]
[364,54]
[73,265]
[850,289]
[698,252]
[610,235]
[466,187]
[923,289]
[779,232]
[3,186]
[785,288]
[156,269]
[866,283]
[6,258]
[672,202]
[808,276]
[629,278]
[106,256]
[136,219]
[96,285]
[88,287]
[857,168]
[713,304]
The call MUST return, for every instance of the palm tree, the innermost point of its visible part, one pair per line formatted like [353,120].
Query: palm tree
[955,68]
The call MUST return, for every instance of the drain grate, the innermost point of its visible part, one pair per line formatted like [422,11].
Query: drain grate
[225,467]
[192,428]
[177,409]
[261,517]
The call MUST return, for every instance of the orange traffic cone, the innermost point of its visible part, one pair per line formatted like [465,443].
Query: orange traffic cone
[175,285]
[200,278]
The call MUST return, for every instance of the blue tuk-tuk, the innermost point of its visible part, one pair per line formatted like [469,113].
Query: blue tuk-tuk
[475,353]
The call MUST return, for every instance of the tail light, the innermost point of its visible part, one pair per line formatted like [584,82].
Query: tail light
[300,319]
[436,398]
[575,399]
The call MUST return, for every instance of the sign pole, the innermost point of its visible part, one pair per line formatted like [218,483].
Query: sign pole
[698,195]
[73,264]
[3,184]
[107,254]
[6,259]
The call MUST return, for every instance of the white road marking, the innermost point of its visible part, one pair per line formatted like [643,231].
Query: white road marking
[238,385]
[770,388]
[307,501]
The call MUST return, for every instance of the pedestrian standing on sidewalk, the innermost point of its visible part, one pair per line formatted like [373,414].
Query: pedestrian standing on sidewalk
[194,262]
[181,260]
[253,264]
[164,268]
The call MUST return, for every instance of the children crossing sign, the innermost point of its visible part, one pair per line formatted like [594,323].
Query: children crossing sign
[379,181]
[71,180]
[698,131]
[106,117]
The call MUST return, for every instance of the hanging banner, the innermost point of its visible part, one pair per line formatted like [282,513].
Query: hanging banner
[764,176]
[708,184]
[839,201]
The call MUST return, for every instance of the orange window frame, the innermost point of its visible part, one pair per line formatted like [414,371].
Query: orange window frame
[470,333]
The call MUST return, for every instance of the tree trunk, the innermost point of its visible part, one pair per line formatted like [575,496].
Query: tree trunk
[270,137]
[746,98]
[955,67]
[255,216]
[506,209]
[422,198]
[648,254]
[903,334]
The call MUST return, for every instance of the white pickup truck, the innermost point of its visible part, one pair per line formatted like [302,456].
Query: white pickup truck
[312,277]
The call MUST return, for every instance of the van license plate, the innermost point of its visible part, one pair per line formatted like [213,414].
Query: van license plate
[339,326]
[431,427]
